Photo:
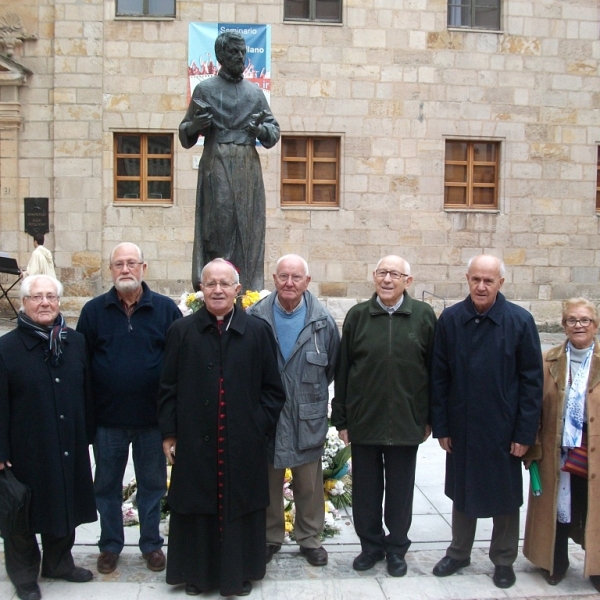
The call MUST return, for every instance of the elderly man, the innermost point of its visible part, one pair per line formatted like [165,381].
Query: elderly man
[381,406]
[46,425]
[232,114]
[125,331]
[220,399]
[308,343]
[486,395]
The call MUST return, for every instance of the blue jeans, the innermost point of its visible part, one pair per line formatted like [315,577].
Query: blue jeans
[111,451]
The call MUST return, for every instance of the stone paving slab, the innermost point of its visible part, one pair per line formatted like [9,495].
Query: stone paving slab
[289,577]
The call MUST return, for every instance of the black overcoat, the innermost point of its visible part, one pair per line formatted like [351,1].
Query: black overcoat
[46,417]
[195,356]
[486,392]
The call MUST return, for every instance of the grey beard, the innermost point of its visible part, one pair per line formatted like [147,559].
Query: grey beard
[127,286]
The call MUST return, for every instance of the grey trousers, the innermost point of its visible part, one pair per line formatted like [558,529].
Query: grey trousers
[309,501]
[504,546]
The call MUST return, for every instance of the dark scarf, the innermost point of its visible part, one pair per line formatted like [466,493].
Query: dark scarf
[55,334]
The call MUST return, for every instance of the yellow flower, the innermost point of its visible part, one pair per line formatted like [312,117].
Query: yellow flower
[250,298]
[288,475]
[289,527]
[329,485]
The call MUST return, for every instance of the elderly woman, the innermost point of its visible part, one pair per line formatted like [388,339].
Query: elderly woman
[45,429]
[568,506]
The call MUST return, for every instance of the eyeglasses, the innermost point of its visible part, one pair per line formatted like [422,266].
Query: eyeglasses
[130,264]
[225,285]
[284,277]
[51,298]
[382,273]
[585,322]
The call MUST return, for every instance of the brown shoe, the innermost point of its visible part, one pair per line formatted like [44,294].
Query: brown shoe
[155,560]
[107,562]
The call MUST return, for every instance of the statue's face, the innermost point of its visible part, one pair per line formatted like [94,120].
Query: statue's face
[234,57]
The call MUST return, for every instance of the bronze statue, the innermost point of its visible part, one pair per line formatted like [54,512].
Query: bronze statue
[230,200]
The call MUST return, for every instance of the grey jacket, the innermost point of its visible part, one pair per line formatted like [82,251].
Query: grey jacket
[306,375]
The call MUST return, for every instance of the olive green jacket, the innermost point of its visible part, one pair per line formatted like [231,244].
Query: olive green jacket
[382,373]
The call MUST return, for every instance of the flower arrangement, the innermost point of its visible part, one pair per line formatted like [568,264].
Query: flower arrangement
[330,527]
[129,506]
[337,486]
[336,470]
[190,303]
[252,297]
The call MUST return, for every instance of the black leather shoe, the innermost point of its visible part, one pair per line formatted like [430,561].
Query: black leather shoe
[396,565]
[192,590]
[448,566]
[246,589]
[77,575]
[272,549]
[595,579]
[367,560]
[553,579]
[504,577]
[317,557]
[29,591]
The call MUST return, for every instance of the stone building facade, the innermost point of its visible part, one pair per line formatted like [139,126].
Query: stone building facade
[392,81]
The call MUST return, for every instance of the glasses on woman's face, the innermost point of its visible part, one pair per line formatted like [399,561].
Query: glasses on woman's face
[51,298]
[571,322]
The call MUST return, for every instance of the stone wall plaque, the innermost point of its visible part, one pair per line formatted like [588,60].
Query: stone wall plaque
[36,216]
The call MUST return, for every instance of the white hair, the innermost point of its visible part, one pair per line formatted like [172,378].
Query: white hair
[31,279]
[138,249]
[236,275]
[294,257]
[406,267]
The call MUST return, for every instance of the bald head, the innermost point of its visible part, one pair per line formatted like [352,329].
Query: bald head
[485,275]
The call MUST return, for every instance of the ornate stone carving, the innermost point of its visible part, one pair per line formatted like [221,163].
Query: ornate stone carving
[12,33]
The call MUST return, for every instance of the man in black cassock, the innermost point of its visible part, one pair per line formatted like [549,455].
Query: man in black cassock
[219,402]
[232,114]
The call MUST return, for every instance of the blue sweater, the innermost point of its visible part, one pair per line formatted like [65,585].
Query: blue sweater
[126,355]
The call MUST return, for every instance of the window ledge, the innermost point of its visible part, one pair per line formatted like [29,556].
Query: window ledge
[474,29]
[320,23]
[308,207]
[143,18]
[144,204]
[471,210]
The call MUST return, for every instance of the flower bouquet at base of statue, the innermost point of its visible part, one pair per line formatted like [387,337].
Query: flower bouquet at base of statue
[337,480]
[190,303]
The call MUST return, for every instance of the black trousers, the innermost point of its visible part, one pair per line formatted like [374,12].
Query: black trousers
[376,469]
[23,558]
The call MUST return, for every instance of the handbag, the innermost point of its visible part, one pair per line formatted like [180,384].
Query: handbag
[14,504]
[577,460]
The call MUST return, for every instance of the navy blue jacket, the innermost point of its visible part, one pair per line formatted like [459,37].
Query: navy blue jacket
[486,392]
[126,355]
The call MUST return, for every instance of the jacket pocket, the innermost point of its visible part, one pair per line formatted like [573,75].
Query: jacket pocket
[312,424]
[316,363]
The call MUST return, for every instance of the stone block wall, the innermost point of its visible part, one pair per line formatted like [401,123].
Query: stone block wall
[392,81]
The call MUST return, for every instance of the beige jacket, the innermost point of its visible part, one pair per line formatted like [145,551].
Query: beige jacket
[41,262]
[540,529]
